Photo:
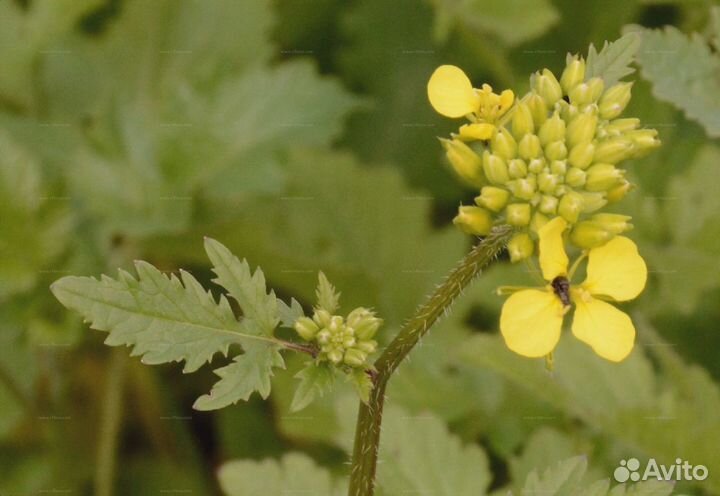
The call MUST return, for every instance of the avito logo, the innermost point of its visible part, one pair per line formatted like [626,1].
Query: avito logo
[682,470]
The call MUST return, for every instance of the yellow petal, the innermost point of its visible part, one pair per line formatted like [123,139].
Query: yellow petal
[479,131]
[553,259]
[616,269]
[450,92]
[506,100]
[531,321]
[608,331]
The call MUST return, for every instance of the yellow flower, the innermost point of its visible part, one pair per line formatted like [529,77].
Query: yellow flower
[531,319]
[451,94]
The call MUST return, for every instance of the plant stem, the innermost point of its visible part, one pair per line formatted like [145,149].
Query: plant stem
[367,430]
[110,424]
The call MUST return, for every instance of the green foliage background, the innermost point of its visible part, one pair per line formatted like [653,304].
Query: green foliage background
[297,133]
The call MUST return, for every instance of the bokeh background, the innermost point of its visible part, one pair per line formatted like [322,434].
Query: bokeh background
[298,133]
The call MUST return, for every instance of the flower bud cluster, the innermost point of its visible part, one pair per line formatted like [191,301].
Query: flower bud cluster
[340,340]
[558,154]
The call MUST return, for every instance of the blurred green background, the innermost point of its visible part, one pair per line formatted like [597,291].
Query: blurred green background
[297,132]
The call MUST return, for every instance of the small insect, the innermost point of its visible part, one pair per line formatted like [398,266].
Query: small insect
[561,287]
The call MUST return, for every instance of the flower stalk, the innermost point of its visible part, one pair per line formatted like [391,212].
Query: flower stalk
[367,430]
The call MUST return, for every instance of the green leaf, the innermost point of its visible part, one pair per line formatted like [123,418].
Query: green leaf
[361,381]
[167,319]
[419,456]
[288,314]
[315,380]
[612,63]
[295,473]
[328,298]
[514,21]
[683,71]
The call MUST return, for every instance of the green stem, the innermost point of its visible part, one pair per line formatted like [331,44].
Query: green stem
[110,424]
[367,430]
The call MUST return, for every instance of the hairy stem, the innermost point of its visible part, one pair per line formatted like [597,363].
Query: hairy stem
[110,424]
[367,430]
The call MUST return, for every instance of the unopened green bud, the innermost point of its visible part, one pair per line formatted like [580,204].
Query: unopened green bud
[575,177]
[538,220]
[556,150]
[559,168]
[523,188]
[567,112]
[618,192]
[615,223]
[495,168]
[517,168]
[537,165]
[547,86]
[473,220]
[581,129]
[323,337]
[548,205]
[306,328]
[593,201]
[335,355]
[614,150]
[573,74]
[522,121]
[619,126]
[586,93]
[503,144]
[359,315]
[570,206]
[602,177]
[589,234]
[614,101]
[547,182]
[552,130]
[322,318]
[492,198]
[368,328]
[529,147]
[644,140]
[355,357]
[465,162]
[520,247]
[518,214]
[581,155]
[538,109]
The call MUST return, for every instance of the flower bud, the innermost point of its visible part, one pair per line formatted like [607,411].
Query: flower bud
[523,188]
[586,93]
[465,162]
[367,328]
[593,201]
[615,223]
[322,318]
[644,140]
[618,192]
[306,328]
[573,74]
[537,165]
[619,126]
[575,177]
[538,220]
[518,214]
[503,144]
[570,206]
[581,129]
[538,109]
[522,121]
[492,198]
[567,112]
[354,357]
[589,234]
[473,220]
[529,147]
[336,324]
[495,168]
[614,101]
[323,337]
[559,168]
[552,130]
[546,85]
[517,168]
[477,131]
[602,177]
[520,247]
[613,150]
[335,355]
[359,315]
[548,205]
[581,155]
[556,151]
[369,346]
[547,182]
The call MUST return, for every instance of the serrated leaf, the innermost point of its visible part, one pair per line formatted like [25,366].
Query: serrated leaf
[295,473]
[685,72]
[614,61]
[315,380]
[328,298]
[288,314]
